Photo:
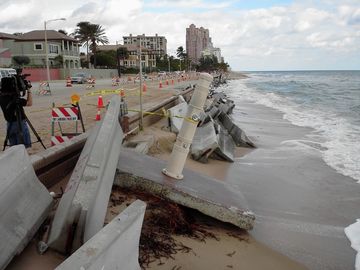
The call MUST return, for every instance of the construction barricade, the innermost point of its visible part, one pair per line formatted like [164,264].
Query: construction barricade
[62,115]
[44,89]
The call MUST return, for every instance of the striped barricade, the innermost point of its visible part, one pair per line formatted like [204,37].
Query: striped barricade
[61,114]
[59,139]
[65,114]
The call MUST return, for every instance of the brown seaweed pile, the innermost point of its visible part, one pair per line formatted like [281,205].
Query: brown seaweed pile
[163,220]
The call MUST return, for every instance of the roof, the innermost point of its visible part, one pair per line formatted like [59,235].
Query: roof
[40,35]
[8,36]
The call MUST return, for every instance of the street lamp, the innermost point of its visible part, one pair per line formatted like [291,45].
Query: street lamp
[47,50]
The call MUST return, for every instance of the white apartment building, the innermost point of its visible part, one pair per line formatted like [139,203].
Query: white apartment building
[157,44]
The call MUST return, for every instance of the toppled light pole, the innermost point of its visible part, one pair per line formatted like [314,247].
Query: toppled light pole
[184,139]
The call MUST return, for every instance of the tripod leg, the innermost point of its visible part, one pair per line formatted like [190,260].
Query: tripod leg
[7,135]
[34,131]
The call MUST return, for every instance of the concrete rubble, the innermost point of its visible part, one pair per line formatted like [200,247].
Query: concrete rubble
[217,135]
[87,194]
[116,246]
[24,203]
[214,198]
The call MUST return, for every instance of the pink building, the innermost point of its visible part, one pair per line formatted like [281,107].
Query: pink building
[197,40]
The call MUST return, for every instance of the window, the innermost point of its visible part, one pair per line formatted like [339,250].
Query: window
[53,49]
[38,46]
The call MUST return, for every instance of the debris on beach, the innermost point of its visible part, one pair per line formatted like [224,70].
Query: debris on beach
[216,135]
[163,220]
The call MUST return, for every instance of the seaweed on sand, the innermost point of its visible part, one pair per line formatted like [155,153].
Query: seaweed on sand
[163,220]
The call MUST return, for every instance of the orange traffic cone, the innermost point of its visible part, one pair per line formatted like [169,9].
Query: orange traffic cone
[68,82]
[98,116]
[167,82]
[172,81]
[144,87]
[160,84]
[100,102]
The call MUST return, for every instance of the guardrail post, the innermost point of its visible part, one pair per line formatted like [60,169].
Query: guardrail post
[184,139]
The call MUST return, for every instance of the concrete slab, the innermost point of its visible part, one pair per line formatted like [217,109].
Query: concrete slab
[236,133]
[226,144]
[176,116]
[90,184]
[204,143]
[116,246]
[214,198]
[24,203]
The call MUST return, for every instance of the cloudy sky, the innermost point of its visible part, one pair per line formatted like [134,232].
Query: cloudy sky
[253,35]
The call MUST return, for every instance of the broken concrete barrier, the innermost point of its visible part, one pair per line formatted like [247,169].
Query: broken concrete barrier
[24,203]
[226,146]
[90,184]
[236,133]
[204,143]
[116,246]
[176,115]
[216,199]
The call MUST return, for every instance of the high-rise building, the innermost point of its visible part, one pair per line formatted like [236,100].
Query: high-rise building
[197,40]
[156,44]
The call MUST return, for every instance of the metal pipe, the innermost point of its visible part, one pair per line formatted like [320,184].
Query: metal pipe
[181,147]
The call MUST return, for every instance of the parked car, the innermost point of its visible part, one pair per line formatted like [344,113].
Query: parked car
[162,73]
[80,78]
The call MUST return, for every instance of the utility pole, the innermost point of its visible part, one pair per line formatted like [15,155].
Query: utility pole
[169,63]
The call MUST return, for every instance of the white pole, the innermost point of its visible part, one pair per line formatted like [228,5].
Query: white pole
[47,49]
[47,57]
[140,95]
[184,139]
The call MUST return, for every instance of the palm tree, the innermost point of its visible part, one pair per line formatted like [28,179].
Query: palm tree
[180,52]
[82,33]
[96,35]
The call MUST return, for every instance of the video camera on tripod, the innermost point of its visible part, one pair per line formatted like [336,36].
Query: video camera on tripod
[16,85]
[11,90]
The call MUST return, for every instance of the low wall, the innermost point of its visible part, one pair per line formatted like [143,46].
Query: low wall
[97,73]
[39,74]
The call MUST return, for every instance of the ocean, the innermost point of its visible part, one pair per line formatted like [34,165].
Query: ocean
[290,186]
[326,101]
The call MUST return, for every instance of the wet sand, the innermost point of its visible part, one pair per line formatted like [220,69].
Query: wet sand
[301,204]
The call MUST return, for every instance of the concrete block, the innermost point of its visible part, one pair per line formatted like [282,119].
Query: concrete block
[90,184]
[204,142]
[116,246]
[214,198]
[176,116]
[236,133]
[24,203]
[226,146]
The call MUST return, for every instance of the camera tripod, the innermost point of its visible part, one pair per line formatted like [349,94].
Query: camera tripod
[20,134]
